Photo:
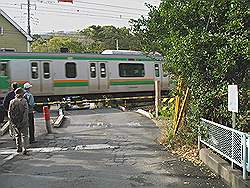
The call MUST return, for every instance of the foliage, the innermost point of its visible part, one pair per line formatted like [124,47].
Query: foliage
[93,39]
[206,43]
[108,35]
[55,43]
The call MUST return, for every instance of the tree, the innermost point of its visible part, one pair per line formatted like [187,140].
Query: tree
[108,35]
[206,43]
[94,39]
[54,44]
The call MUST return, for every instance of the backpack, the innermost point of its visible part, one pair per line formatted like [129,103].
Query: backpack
[16,112]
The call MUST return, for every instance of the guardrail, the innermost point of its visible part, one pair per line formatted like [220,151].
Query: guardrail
[230,143]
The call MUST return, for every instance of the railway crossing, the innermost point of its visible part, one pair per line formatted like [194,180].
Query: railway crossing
[99,148]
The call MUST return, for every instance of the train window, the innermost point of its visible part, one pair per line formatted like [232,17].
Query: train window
[157,70]
[34,70]
[70,70]
[46,71]
[3,69]
[103,70]
[92,70]
[131,70]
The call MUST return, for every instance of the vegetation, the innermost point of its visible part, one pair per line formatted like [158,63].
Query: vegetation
[93,39]
[205,42]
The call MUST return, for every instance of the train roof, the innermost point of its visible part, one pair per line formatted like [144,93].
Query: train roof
[74,56]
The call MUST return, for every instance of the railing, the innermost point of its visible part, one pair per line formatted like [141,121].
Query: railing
[230,143]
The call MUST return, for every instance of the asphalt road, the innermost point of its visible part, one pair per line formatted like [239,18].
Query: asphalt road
[101,149]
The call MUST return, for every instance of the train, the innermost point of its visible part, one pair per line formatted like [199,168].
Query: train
[58,75]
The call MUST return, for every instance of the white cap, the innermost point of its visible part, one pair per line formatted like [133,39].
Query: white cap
[27,85]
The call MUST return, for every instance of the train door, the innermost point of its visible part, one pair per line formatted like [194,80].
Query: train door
[41,77]
[47,77]
[98,77]
[35,77]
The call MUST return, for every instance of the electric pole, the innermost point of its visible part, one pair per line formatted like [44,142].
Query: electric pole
[28,5]
[29,31]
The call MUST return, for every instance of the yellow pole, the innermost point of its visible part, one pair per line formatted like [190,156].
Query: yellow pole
[177,103]
[181,111]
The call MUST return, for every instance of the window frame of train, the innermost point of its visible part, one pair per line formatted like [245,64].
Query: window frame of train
[103,70]
[5,70]
[70,74]
[157,70]
[46,70]
[34,70]
[92,70]
[130,69]
[4,76]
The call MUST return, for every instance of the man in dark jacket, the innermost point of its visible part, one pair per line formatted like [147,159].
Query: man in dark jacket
[6,103]
[31,103]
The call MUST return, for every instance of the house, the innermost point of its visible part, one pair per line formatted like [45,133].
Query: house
[12,36]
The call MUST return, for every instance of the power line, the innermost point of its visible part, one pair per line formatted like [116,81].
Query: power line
[77,11]
[90,8]
[75,14]
[108,5]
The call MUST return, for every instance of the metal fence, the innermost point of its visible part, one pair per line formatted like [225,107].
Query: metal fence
[230,143]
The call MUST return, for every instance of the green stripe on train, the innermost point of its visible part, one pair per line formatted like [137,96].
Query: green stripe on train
[138,82]
[71,84]
[4,82]
[71,58]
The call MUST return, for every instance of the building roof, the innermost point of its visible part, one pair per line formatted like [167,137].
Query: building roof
[29,38]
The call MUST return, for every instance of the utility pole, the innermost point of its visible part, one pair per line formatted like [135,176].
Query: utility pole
[28,5]
[29,31]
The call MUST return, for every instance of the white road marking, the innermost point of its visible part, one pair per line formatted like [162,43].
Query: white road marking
[8,158]
[56,149]
[99,146]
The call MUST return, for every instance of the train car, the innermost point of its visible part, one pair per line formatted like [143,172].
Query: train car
[55,75]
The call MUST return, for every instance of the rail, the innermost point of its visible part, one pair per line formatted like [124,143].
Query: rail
[230,143]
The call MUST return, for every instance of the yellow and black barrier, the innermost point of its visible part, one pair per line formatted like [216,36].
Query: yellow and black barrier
[106,100]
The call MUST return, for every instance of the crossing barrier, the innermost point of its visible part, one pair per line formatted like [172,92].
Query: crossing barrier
[106,100]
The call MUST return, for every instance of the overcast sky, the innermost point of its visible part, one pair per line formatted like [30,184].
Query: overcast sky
[49,15]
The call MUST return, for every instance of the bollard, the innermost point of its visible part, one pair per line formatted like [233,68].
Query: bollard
[157,97]
[46,114]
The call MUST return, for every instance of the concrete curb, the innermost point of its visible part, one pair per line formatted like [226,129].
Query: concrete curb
[146,114]
[4,128]
[223,168]
[59,121]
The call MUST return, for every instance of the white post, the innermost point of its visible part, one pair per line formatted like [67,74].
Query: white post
[248,154]
[244,156]
[157,97]
[233,125]
[233,107]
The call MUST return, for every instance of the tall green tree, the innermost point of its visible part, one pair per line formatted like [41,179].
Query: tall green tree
[206,43]
[108,35]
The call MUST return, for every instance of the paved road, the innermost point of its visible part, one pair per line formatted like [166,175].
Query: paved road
[102,149]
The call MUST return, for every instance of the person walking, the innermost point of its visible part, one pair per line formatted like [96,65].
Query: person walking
[31,103]
[18,115]
[6,103]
